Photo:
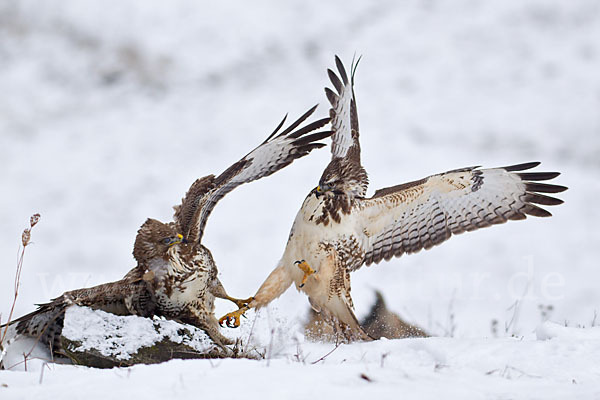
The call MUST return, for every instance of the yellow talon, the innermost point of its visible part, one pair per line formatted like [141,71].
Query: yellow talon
[307,269]
[232,319]
[241,303]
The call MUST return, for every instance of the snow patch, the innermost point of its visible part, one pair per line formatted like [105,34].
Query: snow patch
[121,336]
[22,353]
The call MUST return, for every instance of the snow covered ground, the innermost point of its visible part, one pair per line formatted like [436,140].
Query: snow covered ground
[566,366]
[109,110]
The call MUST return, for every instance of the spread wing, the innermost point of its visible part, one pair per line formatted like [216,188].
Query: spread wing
[276,152]
[345,146]
[421,214]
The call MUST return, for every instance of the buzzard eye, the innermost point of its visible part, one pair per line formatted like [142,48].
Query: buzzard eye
[166,241]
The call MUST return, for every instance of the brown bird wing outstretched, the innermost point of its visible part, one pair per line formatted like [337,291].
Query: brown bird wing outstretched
[418,215]
[276,152]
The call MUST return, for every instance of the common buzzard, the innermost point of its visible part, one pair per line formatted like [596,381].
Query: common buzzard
[338,229]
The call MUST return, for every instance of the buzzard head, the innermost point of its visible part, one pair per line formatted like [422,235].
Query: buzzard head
[343,177]
[154,239]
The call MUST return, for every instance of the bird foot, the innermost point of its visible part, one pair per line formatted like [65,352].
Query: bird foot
[238,302]
[241,303]
[307,269]
[232,319]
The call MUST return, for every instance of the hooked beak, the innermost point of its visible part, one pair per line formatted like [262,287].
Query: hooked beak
[181,239]
[319,191]
[178,239]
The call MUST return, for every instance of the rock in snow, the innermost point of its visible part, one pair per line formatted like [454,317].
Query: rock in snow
[99,339]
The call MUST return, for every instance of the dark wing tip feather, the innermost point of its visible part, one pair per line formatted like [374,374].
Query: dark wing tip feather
[531,209]
[518,216]
[542,199]
[538,176]
[522,167]
[335,81]
[341,69]
[312,138]
[331,96]
[353,67]
[534,189]
[544,187]
[310,127]
[302,118]
[276,129]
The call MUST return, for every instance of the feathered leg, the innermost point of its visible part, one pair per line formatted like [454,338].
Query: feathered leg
[218,290]
[334,300]
[276,283]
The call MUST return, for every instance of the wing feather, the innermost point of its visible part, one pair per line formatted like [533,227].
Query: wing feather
[344,117]
[278,151]
[344,170]
[302,118]
[421,214]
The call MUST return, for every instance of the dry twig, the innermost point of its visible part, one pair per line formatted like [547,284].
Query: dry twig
[25,241]
[338,344]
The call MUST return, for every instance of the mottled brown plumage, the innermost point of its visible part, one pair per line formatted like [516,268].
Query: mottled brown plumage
[176,276]
[186,286]
[338,229]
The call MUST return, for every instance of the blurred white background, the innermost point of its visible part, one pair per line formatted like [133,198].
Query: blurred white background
[110,109]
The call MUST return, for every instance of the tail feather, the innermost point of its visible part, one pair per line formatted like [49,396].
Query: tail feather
[45,323]
[123,297]
[345,320]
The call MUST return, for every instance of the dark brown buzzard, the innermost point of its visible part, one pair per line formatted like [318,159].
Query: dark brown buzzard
[176,276]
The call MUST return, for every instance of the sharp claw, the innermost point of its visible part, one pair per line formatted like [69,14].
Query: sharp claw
[233,320]
[308,271]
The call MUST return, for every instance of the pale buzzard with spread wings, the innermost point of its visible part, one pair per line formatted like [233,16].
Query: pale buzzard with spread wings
[176,276]
[339,229]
